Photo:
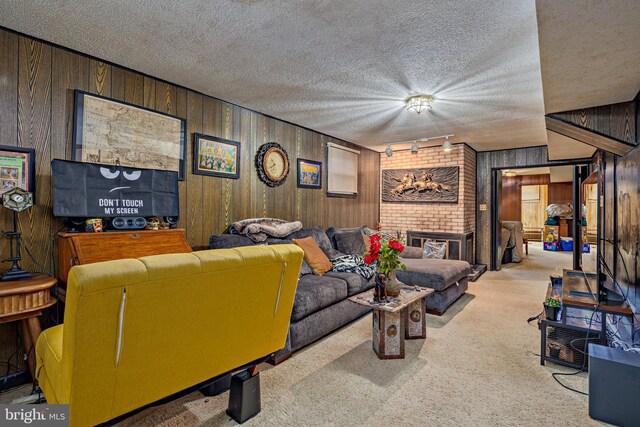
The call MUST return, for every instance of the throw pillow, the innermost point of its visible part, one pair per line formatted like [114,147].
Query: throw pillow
[367,241]
[305,269]
[385,237]
[314,256]
[349,241]
[321,238]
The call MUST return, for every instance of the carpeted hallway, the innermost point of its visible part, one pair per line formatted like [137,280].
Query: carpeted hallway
[478,366]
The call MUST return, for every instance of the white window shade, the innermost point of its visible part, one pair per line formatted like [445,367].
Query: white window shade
[342,170]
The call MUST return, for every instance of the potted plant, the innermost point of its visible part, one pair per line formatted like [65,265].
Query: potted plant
[386,256]
[552,308]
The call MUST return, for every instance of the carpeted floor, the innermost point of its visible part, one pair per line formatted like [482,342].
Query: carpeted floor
[478,366]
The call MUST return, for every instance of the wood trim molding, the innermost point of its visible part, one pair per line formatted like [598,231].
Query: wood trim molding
[587,136]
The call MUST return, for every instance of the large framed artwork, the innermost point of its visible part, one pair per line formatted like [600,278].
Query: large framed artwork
[309,174]
[111,132]
[425,185]
[17,169]
[216,156]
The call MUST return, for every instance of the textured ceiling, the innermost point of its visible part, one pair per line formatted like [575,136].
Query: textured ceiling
[590,52]
[338,67]
[564,148]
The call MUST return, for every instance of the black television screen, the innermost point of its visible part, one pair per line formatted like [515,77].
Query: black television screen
[86,190]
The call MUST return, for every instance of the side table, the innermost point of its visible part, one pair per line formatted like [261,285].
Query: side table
[398,319]
[24,300]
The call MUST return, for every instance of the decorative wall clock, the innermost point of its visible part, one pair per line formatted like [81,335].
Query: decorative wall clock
[272,162]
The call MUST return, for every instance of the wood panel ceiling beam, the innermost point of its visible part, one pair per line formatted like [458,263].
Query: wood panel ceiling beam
[588,137]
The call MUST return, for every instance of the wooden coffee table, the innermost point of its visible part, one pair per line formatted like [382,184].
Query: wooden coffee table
[401,318]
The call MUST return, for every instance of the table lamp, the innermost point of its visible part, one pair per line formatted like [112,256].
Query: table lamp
[16,200]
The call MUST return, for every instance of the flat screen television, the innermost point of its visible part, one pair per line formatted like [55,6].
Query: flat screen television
[87,190]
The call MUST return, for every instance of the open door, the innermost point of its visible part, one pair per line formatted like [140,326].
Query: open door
[496,224]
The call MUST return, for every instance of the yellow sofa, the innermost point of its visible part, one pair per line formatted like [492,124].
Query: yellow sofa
[136,331]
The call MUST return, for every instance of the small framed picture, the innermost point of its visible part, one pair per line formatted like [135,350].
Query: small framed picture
[309,174]
[216,157]
[17,169]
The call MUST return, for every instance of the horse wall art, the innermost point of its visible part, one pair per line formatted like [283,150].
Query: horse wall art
[426,185]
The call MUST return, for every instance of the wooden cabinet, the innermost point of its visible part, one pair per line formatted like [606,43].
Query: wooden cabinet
[87,248]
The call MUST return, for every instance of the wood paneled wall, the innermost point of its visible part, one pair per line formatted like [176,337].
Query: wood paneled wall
[37,81]
[511,199]
[504,159]
[621,187]
[615,120]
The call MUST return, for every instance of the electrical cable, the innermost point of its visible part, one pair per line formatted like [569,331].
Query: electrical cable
[537,316]
[610,274]
[43,269]
[624,264]
[555,375]
[8,362]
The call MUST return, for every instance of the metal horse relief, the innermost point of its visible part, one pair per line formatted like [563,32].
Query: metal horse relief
[427,185]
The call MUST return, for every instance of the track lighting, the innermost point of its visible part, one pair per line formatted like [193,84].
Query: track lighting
[446,145]
[414,148]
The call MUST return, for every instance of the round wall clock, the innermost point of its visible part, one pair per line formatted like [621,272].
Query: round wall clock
[272,163]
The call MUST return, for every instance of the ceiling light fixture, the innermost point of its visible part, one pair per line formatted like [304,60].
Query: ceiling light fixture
[446,145]
[509,173]
[414,148]
[389,151]
[419,103]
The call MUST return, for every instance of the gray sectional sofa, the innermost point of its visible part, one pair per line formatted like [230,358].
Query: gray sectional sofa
[321,304]
[448,278]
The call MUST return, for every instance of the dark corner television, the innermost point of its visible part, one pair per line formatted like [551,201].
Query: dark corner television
[87,190]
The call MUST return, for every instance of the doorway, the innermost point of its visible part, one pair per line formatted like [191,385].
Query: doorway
[533,212]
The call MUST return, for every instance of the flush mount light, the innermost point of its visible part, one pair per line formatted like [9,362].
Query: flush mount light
[419,103]
[509,173]
[389,151]
[446,145]
[414,148]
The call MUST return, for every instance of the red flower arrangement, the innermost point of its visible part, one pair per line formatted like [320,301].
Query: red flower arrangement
[385,254]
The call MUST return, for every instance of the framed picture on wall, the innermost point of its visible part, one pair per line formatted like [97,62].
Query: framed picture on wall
[216,156]
[111,132]
[309,174]
[17,169]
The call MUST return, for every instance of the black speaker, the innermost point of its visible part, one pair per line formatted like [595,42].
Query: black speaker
[74,225]
[128,223]
[171,220]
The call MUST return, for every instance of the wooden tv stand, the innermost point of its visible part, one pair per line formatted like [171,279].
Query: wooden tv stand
[87,248]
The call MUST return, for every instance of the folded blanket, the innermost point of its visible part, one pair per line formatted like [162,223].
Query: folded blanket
[353,264]
[258,229]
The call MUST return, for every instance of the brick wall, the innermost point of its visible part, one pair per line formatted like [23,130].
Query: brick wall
[436,217]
